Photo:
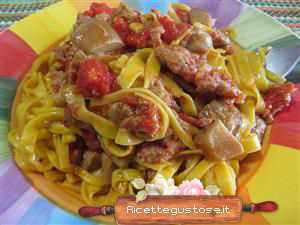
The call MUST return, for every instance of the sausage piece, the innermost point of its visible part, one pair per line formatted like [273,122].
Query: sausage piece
[159,151]
[180,61]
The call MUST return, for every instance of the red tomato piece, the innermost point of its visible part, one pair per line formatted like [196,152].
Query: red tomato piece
[121,26]
[172,30]
[278,98]
[95,79]
[99,8]
[138,40]
[131,39]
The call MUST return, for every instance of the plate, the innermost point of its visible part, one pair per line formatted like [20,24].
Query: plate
[275,176]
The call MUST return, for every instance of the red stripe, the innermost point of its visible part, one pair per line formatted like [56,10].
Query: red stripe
[16,57]
[294,25]
[286,128]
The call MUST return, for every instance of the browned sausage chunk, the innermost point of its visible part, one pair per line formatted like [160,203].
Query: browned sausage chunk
[212,81]
[159,151]
[227,113]
[180,61]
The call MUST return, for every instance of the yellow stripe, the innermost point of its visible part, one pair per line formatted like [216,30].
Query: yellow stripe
[46,27]
[278,180]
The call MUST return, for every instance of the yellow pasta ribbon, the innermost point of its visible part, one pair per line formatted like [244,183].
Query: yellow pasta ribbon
[99,178]
[152,69]
[209,177]
[116,150]
[170,170]
[172,10]
[134,68]
[154,166]
[121,179]
[30,132]
[186,100]
[21,111]
[200,169]
[125,138]
[54,175]
[190,164]
[251,143]
[235,164]
[103,126]
[247,70]
[225,178]
[62,151]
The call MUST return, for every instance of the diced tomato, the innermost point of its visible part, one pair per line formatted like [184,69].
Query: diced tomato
[138,40]
[95,79]
[172,30]
[277,98]
[150,124]
[131,39]
[183,15]
[121,25]
[99,8]
[89,13]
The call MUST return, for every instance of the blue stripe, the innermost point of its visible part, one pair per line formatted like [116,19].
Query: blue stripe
[61,217]
[38,214]
[146,6]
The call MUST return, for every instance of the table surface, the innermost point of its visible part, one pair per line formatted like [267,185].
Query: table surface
[286,11]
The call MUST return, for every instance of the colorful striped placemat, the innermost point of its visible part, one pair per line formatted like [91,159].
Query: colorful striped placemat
[286,11]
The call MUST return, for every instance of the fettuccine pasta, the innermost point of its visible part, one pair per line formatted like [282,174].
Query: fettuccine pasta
[106,115]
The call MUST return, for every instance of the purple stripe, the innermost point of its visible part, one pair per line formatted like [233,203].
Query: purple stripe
[225,11]
[13,214]
[13,185]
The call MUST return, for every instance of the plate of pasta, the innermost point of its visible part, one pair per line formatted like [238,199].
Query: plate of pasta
[172,100]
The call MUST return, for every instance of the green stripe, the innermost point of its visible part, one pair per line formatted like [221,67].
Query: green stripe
[7,93]
[256,29]
[5,153]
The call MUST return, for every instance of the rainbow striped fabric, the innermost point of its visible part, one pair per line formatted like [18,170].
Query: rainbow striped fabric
[278,177]
[286,11]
